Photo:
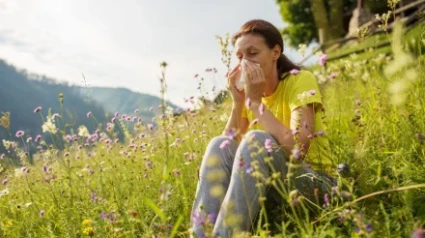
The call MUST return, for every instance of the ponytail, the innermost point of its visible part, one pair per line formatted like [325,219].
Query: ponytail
[284,66]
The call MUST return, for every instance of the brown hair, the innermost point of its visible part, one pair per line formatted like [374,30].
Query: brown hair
[272,37]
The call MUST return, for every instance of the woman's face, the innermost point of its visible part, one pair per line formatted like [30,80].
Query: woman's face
[253,47]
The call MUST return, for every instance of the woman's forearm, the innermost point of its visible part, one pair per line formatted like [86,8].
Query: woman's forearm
[233,123]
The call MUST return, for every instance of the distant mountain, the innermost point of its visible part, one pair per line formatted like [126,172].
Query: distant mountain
[125,101]
[21,92]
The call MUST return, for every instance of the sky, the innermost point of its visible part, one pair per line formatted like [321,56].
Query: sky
[122,43]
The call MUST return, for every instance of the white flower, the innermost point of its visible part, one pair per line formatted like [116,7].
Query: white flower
[49,126]
[83,131]
[4,192]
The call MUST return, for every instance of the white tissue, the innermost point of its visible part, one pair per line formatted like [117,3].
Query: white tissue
[240,84]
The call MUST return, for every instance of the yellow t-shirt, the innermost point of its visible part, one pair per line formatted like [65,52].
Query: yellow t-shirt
[284,100]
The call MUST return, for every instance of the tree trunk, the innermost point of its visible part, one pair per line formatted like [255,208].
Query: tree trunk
[321,19]
[336,18]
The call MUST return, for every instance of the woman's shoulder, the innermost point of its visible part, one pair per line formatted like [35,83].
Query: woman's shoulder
[303,76]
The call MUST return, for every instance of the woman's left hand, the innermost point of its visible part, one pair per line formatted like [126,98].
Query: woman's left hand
[255,82]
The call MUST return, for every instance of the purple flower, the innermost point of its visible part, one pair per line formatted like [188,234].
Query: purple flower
[294,71]
[212,217]
[368,227]
[296,153]
[37,109]
[94,197]
[5,181]
[231,133]
[224,144]
[249,169]
[37,138]
[88,114]
[326,200]
[320,133]
[19,133]
[312,92]
[322,60]
[198,218]
[268,145]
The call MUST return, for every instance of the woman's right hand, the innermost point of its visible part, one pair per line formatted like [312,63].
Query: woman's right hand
[238,97]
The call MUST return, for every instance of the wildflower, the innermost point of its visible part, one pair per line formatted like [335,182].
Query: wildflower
[94,197]
[66,154]
[198,218]
[5,181]
[224,144]
[248,103]
[320,133]
[249,169]
[333,75]
[312,92]
[56,115]
[86,222]
[19,133]
[83,131]
[322,60]
[296,153]
[268,145]
[2,156]
[37,109]
[294,71]
[261,109]
[29,139]
[89,231]
[358,102]
[150,127]
[419,233]
[196,76]
[231,133]
[49,126]
[41,213]
[368,227]
[326,200]
[302,48]
[253,122]
[4,192]
[88,114]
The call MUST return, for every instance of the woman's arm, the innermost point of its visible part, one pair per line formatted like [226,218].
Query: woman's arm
[236,123]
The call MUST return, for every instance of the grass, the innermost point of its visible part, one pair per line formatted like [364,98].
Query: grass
[101,188]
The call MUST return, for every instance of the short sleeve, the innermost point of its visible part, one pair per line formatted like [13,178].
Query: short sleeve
[305,90]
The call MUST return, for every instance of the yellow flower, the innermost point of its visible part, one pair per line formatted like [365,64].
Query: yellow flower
[89,230]
[87,222]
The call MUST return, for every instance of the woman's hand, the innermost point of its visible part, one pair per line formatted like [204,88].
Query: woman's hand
[238,97]
[255,82]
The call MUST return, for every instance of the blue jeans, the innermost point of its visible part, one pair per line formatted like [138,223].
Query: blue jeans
[229,187]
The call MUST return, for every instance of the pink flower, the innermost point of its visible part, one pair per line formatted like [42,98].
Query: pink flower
[322,60]
[294,71]
[113,119]
[56,115]
[268,145]
[312,92]
[116,114]
[255,121]
[224,144]
[37,109]
[196,75]
[358,102]
[37,138]
[2,156]
[5,181]
[19,133]
[333,75]
[88,114]
[248,103]
[261,109]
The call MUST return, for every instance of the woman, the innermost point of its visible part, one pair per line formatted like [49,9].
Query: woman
[280,109]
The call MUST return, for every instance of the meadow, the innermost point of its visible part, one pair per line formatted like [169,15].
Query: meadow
[144,185]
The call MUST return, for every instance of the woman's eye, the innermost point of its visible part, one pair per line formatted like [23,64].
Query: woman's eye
[253,53]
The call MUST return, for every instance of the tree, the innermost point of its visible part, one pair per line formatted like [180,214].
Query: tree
[300,16]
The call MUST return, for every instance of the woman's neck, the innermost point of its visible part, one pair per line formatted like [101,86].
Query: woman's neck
[271,84]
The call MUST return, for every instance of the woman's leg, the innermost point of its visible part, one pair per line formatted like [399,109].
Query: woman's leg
[241,203]
[214,178]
